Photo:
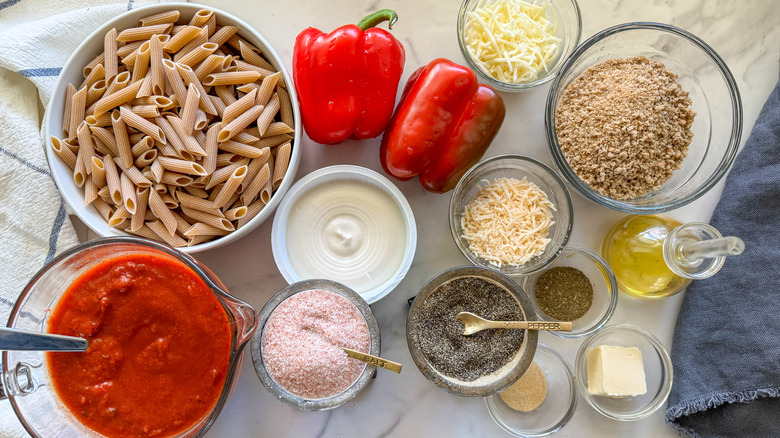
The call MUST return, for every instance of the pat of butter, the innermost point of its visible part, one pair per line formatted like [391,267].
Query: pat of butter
[616,371]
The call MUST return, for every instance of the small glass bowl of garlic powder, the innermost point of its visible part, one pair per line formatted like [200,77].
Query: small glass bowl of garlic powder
[514,45]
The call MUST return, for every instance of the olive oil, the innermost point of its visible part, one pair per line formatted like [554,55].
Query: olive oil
[634,250]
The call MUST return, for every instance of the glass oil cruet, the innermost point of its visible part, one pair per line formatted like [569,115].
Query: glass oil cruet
[655,256]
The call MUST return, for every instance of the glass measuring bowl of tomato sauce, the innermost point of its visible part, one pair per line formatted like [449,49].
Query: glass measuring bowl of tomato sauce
[26,378]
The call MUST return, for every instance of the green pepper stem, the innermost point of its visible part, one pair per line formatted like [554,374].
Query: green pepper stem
[377,17]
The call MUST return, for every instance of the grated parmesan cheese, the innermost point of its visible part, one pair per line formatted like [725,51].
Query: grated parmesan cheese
[508,221]
[511,40]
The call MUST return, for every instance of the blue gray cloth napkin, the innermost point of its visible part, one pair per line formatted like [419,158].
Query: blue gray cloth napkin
[726,347]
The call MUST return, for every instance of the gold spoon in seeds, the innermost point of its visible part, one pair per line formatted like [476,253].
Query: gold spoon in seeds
[474,323]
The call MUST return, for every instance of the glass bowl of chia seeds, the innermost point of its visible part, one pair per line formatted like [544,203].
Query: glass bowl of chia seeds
[643,118]
[481,364]
[511,201]
[557,390]
[297,348]
[579,286]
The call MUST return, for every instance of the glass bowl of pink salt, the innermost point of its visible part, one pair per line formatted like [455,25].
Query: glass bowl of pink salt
[298,349]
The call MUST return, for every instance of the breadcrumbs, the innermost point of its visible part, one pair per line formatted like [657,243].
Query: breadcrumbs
[624,126]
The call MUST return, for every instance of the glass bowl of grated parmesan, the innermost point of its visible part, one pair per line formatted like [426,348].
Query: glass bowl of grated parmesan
[514,45]
[511,213]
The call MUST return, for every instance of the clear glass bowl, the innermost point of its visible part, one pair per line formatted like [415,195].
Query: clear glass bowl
[717,127]
[499,379]
[657,365]
[277,390]
[555,411]
[605,290]
[514,166]
[28,381]
[566,13]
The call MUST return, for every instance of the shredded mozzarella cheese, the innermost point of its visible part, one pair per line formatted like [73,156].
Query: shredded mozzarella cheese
[508,221]
[512,40]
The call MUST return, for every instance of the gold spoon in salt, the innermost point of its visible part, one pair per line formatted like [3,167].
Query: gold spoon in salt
[474,323]
[374,360]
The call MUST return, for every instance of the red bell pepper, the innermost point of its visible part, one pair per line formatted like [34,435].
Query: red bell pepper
[442,126]
[347,80]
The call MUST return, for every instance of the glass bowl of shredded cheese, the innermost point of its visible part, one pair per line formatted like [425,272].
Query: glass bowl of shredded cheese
[511,213]
[514,45]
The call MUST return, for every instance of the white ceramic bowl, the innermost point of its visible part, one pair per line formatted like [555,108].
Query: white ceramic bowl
[279,234]
[72,73]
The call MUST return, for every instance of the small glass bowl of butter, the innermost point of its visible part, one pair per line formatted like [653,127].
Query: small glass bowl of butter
[522,49]
[624,372]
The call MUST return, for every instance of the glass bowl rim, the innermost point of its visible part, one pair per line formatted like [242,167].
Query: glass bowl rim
[560,161]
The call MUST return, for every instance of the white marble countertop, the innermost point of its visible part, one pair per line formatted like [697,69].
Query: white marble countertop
[744,33]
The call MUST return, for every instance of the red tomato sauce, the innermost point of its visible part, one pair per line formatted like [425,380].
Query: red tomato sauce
[159,347]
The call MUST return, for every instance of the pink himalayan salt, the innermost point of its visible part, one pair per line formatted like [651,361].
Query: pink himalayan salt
[302,343]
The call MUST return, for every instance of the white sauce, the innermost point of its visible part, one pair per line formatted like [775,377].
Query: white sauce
[347,231]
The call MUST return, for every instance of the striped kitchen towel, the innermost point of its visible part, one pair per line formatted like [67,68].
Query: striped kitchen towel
[36,38]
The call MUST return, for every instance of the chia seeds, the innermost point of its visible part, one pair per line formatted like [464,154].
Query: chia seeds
[440,334]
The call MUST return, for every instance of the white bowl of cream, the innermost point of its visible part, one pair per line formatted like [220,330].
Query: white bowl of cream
[347,224]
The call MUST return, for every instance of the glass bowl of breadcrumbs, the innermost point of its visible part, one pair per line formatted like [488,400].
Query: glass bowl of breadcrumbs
[643,118]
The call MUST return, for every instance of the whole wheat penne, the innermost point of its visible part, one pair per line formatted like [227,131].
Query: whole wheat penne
[281,161]
[162,18]
[239,123]
[238,107]
[113,100]
[141,124]
[181,38]
[78,107]
[122,144]
[98,172]
[144,32]
[181,166]
[171,203]
[96,91]
[128,48]
[86,146]
[182,224]
[245,137]
[105,194]
[277,128]
[159,209]
[189,78]
[134,174]
[62,151]
[252,57]
[79,172]
[198,54]
[98,60]
[267,191]
[243,66]
[228,158]
[236,213]
[99,121]
[158,101]
[101,148]
[103,208]
[285,108]
[196,192]
[227,93]
[252,210]
[190,108]
[267,88]
[242,149]
[141,65]
[95,75]
[157,171]
[268,114]
[218,104]
[161,229]
[175,79]
[223,173]
[208,65]
[211,24]
[70,90]
[145,231]
[142,146]
[200,39]
[235,42]
[271,142]
[250,192]
[154,81]
[119,216]
[199,204]
[190,144]
[230,187]
[201,229]
[173,140]
[201,121]
[214,221]
[147,111]
[146,159]
[211,147]
[128,192]
[141,200]
[222,35]
[112,181]
[253,168]
[90,191]
[110,60]
[117,83]
[175,179]
[232,78]
[201,17]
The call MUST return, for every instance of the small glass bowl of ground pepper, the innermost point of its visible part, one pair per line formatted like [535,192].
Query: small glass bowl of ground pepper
[480,364]
[579,287]
[297,352]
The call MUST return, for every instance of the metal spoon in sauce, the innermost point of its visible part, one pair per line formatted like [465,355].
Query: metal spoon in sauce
[474,323]
[25,340]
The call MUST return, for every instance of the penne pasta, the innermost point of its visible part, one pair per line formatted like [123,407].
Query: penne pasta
[232,78]
[128,192]
[282,160]
[242,149]
[201,121]
[277,128]
[189,78]
[175,179]
[189,109]
[267,88]
[201,38]
[252,57]
[268,114]
[235,214]
[200,204]
[86,147]
[230,187]
[90,192]
[274,141]
[135,175]
[141,124]
[142,146]
[201,229]
[188,140]
[122,141]
[252,210]
[98,172]
[103,208]
[238,107]
[62,151]
[181,38]
[249,194]
[78,107]
[239,123]
[211,63]
[141,199]
[201,17]
[141,65]
[227,94]
[245,137]
[144,32]
[214,221]
[146,159]
[110,60]
[112,181]
[198,54]
[119,216]
[285,108]
[98,60]
[161,18]
[113,100]
[95,75]
[222,35]
[161,230]
[181,166]
[268,189]
[157,205]
[99,121]
[147,111]
[70,90]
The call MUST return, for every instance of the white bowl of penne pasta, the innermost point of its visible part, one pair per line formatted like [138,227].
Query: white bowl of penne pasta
[174,122]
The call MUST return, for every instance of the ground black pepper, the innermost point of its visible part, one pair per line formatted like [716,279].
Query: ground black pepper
[564,293]
[441,338]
